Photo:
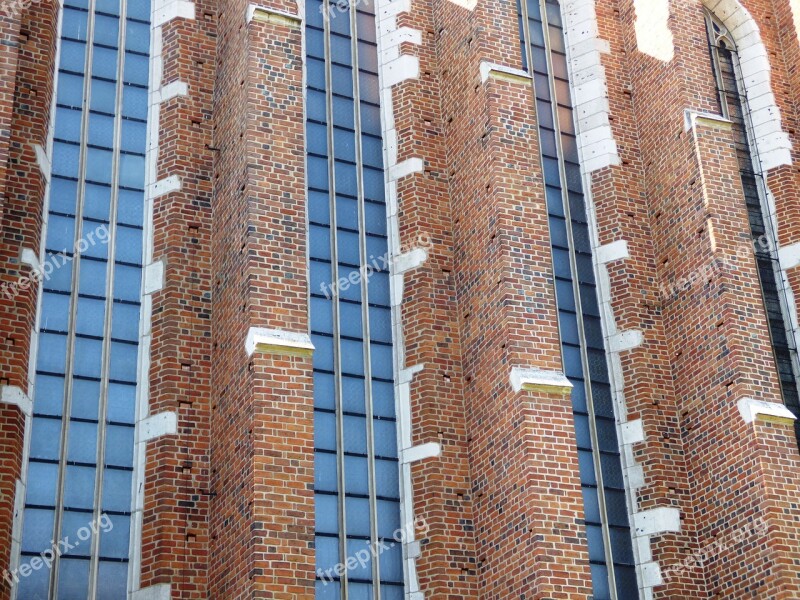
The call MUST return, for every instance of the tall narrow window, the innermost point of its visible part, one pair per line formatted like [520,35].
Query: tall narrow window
[583,352]
[356,458]
[81,450]
[733,106]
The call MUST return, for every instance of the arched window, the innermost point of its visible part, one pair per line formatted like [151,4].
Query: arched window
[607,522]
[356,482]
[733,106]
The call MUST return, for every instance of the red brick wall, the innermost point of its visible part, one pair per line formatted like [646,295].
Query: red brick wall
[229,499]
[442,487]
[624,211]
[716,330]
[175,539]
[26,88]
[262,516]
[522,447]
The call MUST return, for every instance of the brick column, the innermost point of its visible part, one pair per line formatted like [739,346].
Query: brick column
[522,443]
[26,91]
[631,300]
[262,514]
[175,430]
[430,385]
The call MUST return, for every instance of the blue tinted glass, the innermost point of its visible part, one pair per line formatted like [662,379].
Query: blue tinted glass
[104,95]
[139,10]
[355,434]
[130,209]
[79,487]
[137,37]
[75,526]
[101,130]
[121,403]
[90,315]
[93,277]
[327,551]
[87,357]
[117,490]
[137,68]
[73,579]
[49,395]
[35,585]
[131,169]
[96,201]
[65,159]
[127,283]
[68,124]
[70,90]
[45,438]
[326,509]
[60,233]
[108,6]
[106,31]
[125,322]
[41,488]
[85,398]
[73,56]
[63,193]
[82,442]
[325,472]
[104,62]
[114,575]
[134,136]
[52,350]
[325,431]
[98,165]
[119,446]
[55,312]
[129,245]
[115,537]
[123,361]
[357,510]
[134,102]
[38,532]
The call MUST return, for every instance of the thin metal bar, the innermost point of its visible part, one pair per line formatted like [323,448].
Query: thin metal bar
[337,354]
[109,304]
[362,241]
[74,293]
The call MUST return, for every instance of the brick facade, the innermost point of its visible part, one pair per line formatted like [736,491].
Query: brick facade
[227,499]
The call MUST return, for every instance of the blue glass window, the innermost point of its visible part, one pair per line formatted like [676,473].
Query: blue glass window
[356,466]
[80,464]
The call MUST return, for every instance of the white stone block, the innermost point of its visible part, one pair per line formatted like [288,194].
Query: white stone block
[665,519]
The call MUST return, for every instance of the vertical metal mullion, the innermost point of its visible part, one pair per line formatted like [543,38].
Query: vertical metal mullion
[362,240]
[337,354]
[109,305]
[74,292]
[596,455]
